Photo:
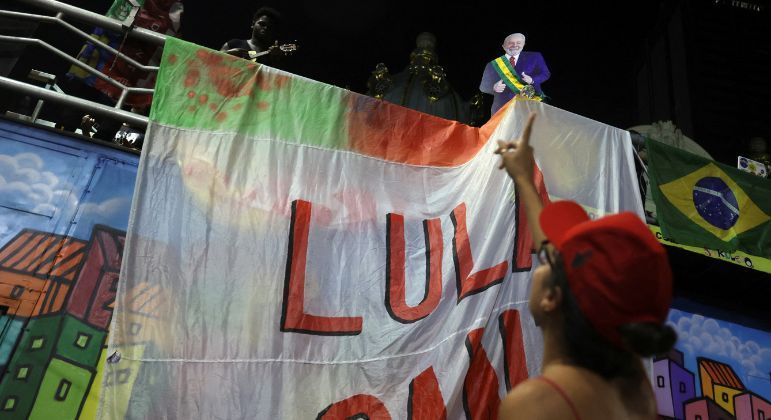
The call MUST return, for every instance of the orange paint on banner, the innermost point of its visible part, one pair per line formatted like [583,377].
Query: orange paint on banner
[391,132]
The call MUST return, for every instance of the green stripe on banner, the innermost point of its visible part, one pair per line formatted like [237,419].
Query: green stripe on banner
[203,89]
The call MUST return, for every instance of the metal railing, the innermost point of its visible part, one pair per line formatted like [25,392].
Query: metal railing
[96,19]
[125,90]
[74,101]
[58,19]
[63,10]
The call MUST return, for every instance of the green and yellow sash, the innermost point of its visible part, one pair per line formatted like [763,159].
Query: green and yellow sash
[510,76]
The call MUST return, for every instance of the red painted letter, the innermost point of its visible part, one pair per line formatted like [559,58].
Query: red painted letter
[395,300]
[461,254]
[513,348]
[293,316]
[523,239]
[480,387]
[358,406]
[426,402]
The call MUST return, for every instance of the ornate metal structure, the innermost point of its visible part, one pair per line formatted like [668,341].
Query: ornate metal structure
[423,86]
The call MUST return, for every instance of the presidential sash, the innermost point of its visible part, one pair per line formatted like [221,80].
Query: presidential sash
[510,77]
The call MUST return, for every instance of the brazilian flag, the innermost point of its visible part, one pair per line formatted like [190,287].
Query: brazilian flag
[703,203]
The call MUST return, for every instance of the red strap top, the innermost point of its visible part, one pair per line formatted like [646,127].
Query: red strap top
[563,394]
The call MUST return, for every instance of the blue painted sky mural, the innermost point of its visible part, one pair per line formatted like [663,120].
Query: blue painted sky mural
[54,184]
[59,189]
[746,350]
[109,200]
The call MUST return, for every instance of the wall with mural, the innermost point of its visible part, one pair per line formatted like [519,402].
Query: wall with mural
[64,206]
[718,370]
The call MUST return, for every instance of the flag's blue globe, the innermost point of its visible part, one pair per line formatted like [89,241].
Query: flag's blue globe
[715,202]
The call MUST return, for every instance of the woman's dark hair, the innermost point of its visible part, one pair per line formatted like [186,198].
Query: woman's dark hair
[588,349]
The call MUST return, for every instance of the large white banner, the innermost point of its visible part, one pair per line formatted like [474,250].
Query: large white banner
[298,251]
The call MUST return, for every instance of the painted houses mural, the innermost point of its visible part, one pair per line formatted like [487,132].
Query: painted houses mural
[64,207]
[718,370]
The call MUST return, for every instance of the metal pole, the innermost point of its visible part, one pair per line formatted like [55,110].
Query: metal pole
[66,100]
[95,19]
[38,106]
[638,141]
[122,98]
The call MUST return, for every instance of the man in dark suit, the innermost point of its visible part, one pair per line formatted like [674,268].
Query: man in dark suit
[529,69]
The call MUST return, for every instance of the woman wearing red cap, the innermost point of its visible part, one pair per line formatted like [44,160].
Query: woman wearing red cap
[600,294]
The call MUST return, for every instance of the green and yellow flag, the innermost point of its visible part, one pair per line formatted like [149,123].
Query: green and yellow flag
[703,203]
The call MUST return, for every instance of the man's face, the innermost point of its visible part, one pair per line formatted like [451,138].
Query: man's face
[513,45]
[263,27]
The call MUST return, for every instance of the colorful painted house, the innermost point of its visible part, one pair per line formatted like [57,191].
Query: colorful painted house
[719,383]
[750,406]
[37,270]
[97,282]
[55,362]
[705,409]
[143,301]
[10,330]
[672,384]
[59,266]
[52,369]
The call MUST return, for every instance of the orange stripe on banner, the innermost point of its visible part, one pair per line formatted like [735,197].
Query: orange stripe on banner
[391,132]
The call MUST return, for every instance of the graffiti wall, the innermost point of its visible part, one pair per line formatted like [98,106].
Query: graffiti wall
[719,370]
[64,206]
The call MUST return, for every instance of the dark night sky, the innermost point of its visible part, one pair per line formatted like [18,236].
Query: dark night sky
[591,55]
[593,50]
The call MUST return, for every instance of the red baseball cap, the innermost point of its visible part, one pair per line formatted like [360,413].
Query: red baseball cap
[616,269]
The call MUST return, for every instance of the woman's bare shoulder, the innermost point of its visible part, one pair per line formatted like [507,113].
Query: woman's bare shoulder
[533,399]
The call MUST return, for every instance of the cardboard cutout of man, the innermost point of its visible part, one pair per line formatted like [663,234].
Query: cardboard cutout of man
[530,68]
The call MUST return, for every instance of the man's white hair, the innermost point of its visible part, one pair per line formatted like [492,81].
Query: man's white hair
[515,35]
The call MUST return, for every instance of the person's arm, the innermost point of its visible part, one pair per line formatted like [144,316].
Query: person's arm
[517,158]
[489,78]
[542,73]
